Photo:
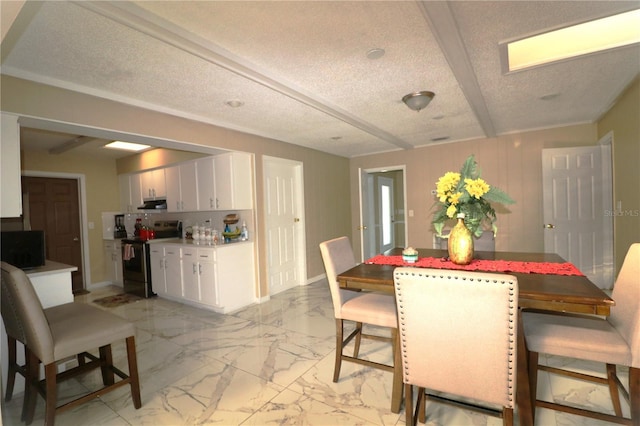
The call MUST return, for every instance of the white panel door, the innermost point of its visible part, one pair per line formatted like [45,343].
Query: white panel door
[284,224]
[573,207]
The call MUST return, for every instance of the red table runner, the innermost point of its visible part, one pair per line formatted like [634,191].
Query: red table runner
[482,265]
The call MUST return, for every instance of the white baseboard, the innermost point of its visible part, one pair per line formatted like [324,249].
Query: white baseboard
[315,279]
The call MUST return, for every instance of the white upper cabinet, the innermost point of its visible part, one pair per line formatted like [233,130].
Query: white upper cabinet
[11,203]
[130,193]
[153,185]
[181,185]
[233,181]
[206,184]
[221,182]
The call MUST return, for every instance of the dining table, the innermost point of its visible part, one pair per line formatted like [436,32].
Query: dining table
[545,282]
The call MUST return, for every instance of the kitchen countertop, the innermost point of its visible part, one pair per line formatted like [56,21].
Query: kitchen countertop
[50,267]
[180,241]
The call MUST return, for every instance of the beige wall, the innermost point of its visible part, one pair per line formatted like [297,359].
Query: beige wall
[624,121]
[101,193]
[512,163]
[327,195]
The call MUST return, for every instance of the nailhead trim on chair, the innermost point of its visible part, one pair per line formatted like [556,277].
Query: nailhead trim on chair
[513,312]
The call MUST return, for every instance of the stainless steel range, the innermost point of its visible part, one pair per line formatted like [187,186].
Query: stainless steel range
[136,272]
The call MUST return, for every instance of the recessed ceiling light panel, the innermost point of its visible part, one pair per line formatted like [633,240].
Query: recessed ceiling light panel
[582,39]
[127,146]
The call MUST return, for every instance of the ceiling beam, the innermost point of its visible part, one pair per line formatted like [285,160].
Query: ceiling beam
[71,144]
[136,18]
[443,24]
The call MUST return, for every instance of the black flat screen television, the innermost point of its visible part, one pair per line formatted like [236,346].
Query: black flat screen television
[23,249]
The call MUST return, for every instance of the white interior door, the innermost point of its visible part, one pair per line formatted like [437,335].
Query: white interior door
[574,225]
[284,223]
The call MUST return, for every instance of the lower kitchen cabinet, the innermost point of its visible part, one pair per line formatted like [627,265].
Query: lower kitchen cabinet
[191,270]
[219,278]
[166,270]
[113,261]
[157,266]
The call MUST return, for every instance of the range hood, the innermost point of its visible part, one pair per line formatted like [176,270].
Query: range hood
[154,205]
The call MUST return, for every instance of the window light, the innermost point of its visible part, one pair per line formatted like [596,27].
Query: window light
[127,146]
[589,37]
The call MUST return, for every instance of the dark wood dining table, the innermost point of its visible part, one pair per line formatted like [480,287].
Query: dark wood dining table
[559,293]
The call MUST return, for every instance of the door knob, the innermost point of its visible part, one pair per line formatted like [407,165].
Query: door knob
[76,239]
[362,228]
[549,226]
[296,219]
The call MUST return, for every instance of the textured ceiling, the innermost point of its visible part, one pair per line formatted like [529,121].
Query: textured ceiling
[302,72]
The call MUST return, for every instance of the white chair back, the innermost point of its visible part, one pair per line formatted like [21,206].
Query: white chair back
[625,315]
[338,257]
[458,332]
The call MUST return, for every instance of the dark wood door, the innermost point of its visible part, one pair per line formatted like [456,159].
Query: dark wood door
[54,208]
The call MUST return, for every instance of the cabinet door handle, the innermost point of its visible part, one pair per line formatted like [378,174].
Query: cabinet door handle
[199,269]
[194,268]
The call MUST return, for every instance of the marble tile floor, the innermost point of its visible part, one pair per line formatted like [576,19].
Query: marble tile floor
[266,364]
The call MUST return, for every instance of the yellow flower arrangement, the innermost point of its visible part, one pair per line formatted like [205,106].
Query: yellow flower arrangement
[467,193]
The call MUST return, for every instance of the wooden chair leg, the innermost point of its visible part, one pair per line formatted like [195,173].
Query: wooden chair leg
[533,381]
[106,365]
[32,373]
[634,394]
[613,389]
[339,337]
[51,393]
[507,416]
[133,371]
[421,405]
[356,348]
[13,367]
[408,405]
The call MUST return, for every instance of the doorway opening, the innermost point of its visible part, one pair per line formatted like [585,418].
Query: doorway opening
[383,222]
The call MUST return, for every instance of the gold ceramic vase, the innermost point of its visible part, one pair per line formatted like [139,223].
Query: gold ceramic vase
[460,243]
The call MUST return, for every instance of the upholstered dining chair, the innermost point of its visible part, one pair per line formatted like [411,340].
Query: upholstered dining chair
[612,341]
[359,307]
[458,339]
[59,333]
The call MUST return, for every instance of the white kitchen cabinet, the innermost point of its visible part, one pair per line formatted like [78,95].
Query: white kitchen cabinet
[173,271]
[166,270]
[235,276]
[206,184]
[113,261]
[157,265]
[11,203]
[233,181]
[130,192]
[207,269]
[197,269]
[190,276]
[181,188]
[225,182]
[153,184]
[219,278]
